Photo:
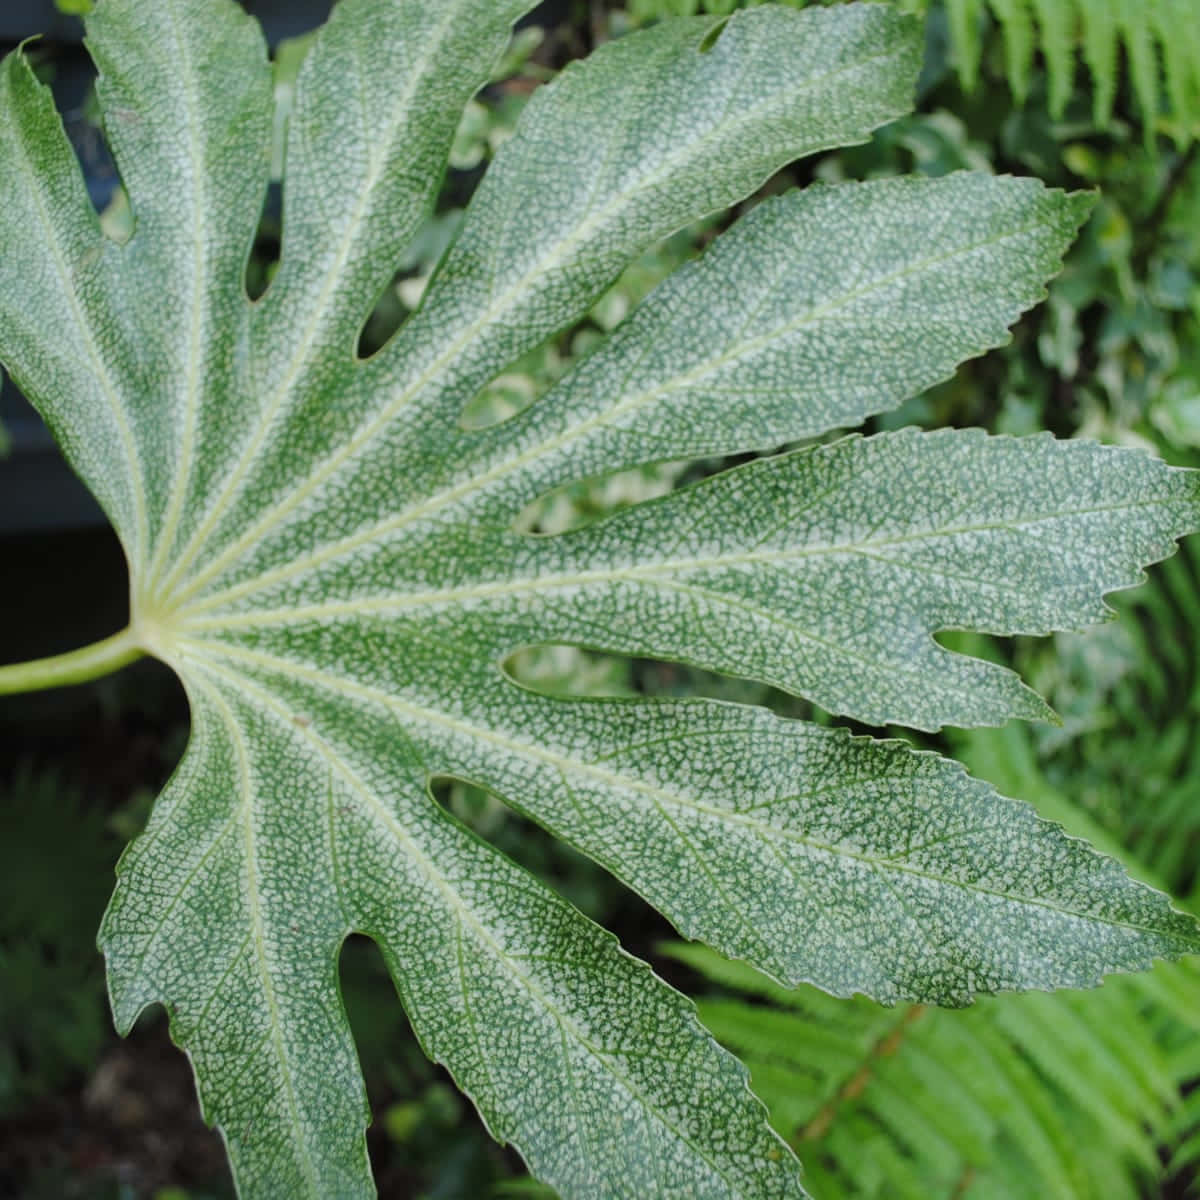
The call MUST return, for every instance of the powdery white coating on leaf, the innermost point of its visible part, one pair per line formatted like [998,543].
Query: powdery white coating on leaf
[58,270]
[535,1009]
[326,558]
[817,309]
[789,845]
[584,185]
[825,571]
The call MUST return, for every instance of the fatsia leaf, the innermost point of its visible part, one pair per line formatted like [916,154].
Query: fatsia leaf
[583,186]
[327,559]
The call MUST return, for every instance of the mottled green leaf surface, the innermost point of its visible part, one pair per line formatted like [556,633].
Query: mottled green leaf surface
[326,557]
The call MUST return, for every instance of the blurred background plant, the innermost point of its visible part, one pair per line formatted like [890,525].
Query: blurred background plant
[1070,1095]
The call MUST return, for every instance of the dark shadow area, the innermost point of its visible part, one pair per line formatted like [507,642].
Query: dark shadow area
[130,1128]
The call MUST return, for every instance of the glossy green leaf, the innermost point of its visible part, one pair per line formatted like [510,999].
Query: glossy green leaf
[326,557]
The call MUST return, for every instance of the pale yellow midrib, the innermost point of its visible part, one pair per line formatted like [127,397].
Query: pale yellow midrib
[197,326]
[306,343]
[340,686]
[190,623]
[478,484]
[258,936]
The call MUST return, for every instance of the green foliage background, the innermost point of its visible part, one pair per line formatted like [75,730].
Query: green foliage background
[1065,1095]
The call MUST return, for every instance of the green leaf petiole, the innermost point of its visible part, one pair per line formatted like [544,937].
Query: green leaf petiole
[77,666]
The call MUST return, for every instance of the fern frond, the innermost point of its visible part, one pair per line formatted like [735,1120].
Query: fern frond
[1158,42]
[1057,23]
[1100,37]
[1016,22]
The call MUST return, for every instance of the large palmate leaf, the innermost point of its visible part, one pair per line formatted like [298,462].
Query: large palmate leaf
[326,557]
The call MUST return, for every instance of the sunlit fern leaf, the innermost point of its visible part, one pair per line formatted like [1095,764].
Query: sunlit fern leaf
[1057,41]
[326,558]
[1064,1096]
[1156,43]
[1100,36]
[965,18]
[1184,1134]
[1016,22]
